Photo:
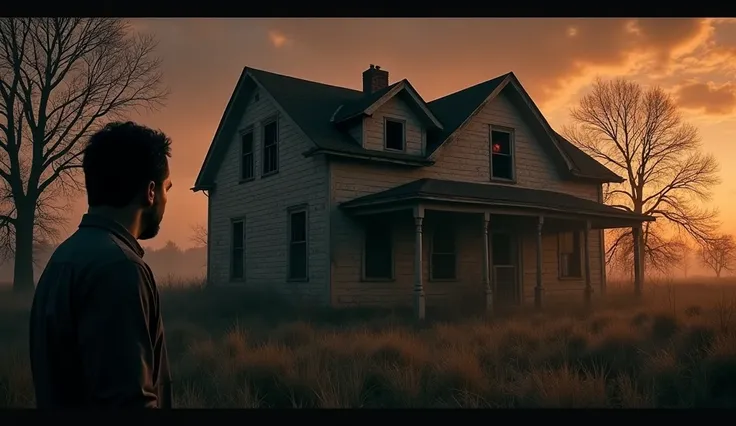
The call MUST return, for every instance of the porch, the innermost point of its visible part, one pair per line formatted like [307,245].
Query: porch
[499,244]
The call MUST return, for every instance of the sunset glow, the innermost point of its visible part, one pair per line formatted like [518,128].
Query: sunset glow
[555,59]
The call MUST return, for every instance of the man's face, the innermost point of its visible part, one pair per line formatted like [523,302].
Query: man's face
[154,214]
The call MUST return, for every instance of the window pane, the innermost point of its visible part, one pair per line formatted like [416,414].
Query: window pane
[298,226]
[502,166]
[247,166]
[237,234]
[501,142]
[298,260]
[237,251]
[566,242]
[570,260]
[270,149]
[443,266]
[247,142]
[378,251]
[502,249]
[394,135]
[238,263]
[270,159]
[269,134]
[443,240]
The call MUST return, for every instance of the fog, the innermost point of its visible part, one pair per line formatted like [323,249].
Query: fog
[170,264]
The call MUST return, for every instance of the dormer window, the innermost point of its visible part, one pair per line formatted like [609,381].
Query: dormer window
[394,134]
[502,154]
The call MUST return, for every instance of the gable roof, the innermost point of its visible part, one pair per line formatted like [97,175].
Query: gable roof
[370,103]
[457,109]
[317,109]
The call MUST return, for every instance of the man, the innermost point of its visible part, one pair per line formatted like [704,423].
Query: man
[96,334]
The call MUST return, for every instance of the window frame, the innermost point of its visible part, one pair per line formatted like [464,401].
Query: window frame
[291,211]
[233,222]
[265,148]
[576,235]
[512,152]
[243,133]
[391,243]
[432,251]
[400,121]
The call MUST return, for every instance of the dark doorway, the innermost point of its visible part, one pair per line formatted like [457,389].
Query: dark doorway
[505,263]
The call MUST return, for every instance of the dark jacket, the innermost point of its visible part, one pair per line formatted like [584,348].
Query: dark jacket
[96,334]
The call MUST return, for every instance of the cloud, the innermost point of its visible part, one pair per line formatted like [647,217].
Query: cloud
[554,58]
[278,39]
[707,97]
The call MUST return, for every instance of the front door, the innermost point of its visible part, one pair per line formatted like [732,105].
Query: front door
[504,264]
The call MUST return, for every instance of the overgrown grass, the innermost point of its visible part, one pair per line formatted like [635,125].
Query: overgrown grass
[674,348]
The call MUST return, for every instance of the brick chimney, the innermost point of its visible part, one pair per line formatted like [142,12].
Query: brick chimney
[374,79]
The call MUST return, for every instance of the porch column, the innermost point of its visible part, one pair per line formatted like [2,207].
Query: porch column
[540,252]
[638,278]
[419,302]
[588,292]
[487,264]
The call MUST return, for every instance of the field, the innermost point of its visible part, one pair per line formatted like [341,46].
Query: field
[674,348]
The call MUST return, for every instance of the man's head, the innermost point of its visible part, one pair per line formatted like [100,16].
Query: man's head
[126,167]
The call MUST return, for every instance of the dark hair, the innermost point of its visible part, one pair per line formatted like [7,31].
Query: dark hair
[120,160]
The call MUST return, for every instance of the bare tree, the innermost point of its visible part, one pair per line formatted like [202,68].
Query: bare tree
[60,80]
[639,133]
[199,235]
[719,254]
[686,252]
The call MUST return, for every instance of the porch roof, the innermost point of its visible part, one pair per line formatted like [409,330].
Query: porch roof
[488,194]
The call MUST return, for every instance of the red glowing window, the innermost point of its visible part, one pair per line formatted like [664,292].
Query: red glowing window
[502,163]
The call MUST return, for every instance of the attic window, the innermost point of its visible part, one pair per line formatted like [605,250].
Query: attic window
[394,134]
[502,154]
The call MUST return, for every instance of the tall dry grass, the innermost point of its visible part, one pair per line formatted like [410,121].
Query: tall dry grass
[675,348]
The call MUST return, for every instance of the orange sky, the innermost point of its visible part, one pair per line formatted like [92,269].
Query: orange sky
[555,59]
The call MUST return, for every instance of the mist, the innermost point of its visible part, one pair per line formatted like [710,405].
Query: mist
[171,264]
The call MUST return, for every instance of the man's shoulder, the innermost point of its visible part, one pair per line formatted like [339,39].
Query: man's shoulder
[97,249]
[100,242]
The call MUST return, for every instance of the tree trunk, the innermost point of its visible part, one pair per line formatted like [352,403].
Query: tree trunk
[23,272]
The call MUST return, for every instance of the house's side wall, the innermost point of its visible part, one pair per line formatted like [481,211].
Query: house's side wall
[464,159]
[263,203]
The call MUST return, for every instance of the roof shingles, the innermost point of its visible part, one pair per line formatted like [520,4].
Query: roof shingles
[488,193]
[313,106]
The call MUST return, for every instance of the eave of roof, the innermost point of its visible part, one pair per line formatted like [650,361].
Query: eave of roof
[490,194]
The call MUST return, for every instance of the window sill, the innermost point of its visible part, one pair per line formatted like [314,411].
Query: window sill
[443,280]
[269,174]
[569,278]
[250,179]
[297,280]
[377,280]
[385,148]
[502,180]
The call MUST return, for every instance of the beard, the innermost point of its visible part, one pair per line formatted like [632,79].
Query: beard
[151,222]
